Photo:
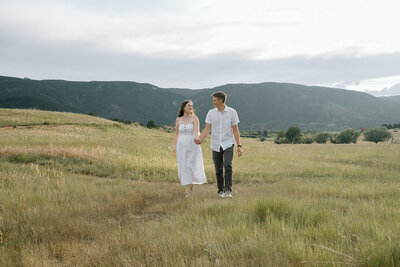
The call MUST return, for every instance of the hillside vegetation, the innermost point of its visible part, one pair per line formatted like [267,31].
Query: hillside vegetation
[272,106]
[395,98]
[77,190]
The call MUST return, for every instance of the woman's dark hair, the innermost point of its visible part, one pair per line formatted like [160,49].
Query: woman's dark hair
[181,111]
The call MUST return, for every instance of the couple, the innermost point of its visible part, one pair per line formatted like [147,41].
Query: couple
[223,122]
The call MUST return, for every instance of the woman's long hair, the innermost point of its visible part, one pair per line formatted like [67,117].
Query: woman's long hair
[181,110]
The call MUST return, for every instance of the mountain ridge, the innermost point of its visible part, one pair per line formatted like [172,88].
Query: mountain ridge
[267,105]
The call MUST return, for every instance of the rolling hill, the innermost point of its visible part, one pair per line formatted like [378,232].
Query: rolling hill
[268,105]
[395,98]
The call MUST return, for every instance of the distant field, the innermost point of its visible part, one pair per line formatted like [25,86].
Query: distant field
[78,190]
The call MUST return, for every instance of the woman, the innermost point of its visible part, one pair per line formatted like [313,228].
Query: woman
[188,153]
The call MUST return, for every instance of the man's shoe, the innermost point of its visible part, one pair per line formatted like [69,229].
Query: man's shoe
[221,194]
[228,194]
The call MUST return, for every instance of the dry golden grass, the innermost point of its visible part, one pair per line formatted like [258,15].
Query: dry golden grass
[90,193]
[27,117]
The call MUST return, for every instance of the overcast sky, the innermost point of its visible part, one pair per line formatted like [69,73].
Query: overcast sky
[350,44]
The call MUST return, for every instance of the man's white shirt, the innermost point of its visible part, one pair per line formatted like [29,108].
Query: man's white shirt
[221,127]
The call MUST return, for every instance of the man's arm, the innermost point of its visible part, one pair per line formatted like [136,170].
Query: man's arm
[236,134]
[203,134]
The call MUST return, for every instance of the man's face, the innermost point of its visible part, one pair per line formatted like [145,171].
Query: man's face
[217,101]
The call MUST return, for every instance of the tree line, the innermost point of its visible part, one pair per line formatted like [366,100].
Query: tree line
[294,135]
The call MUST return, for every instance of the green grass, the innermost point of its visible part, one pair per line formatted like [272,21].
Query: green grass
[83,191]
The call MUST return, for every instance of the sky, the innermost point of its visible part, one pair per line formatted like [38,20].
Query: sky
[352,44]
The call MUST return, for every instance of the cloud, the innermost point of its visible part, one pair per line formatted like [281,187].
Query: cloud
[77,60]
[394,90]
[174,43]
[344,85]
[136,27]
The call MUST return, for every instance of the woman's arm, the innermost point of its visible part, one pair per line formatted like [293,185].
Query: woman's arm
[196,123]
[175,137]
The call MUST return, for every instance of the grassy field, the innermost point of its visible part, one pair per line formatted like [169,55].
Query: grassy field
[78,190]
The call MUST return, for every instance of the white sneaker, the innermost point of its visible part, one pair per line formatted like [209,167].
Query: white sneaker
[221,194]
[228,194]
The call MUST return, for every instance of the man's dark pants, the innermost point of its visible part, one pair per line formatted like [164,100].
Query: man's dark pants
[223,160]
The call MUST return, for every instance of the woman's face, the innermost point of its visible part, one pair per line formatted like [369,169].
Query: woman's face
[189,107]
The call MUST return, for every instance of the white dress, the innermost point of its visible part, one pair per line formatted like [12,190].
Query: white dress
[189,157]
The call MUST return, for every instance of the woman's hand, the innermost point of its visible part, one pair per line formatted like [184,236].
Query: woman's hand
[197,140]
[174,151]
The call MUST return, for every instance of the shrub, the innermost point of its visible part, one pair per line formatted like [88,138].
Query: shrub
[322,138]
[293,134]
[280,134]
[254,134]
[308,139]
[127,122]
[378,134]
[333,138]
[280,137]
[262,138]
[391,126]
[168,129]
[347,136]
[151,124]
[264,134]
[282,140]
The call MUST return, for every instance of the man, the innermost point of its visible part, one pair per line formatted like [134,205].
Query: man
[223,122]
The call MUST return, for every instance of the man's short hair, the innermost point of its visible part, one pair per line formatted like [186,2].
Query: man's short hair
[220,95]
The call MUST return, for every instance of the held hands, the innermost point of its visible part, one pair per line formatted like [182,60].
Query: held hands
[197,140]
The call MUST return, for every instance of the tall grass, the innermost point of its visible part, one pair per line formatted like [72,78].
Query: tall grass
[93,193]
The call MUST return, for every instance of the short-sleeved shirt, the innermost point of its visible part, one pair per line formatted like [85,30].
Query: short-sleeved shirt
[221,127]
